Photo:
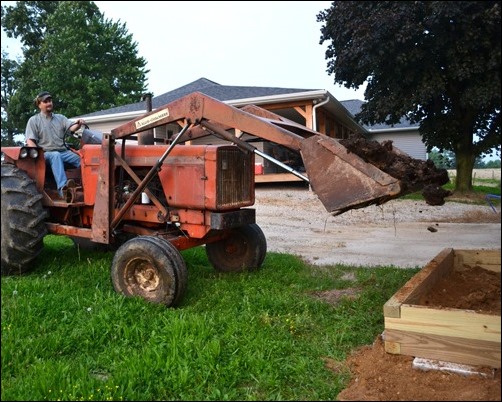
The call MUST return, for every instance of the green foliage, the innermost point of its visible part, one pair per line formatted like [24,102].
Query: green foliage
[442,160]
[266,335]
[492,164]
[9,68]
[435,62]
[447,160]
[87,62]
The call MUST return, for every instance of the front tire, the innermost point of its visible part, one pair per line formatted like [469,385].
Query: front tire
[244,249]
[23,226]
[151,268]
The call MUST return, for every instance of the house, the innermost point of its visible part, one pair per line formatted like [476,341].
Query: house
[314,108]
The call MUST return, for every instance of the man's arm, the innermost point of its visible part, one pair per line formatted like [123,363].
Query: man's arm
[75,126]
[31,133]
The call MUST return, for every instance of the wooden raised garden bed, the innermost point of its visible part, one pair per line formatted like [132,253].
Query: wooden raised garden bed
[418,323]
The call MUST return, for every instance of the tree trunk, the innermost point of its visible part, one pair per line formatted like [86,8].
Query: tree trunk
[10,137]
[465,156]
[465,164]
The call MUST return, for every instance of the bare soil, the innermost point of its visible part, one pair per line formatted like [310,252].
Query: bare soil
[381,376]
[400,233]
[472,288]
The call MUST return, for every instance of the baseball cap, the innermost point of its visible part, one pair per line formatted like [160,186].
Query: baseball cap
[43,96]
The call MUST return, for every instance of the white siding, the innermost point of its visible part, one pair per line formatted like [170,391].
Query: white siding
[105,126]
[108,126]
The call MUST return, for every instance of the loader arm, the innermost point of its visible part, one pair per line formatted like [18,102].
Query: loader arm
[341,179]
[196,107]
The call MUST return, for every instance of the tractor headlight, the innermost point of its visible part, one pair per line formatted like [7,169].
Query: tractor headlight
[3,157]
[33,153]
[23,153]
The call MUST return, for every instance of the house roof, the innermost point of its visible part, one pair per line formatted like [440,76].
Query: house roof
[236,96]
[209,88]
[354,107]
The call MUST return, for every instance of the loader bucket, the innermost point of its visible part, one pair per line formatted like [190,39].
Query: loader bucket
[342,180]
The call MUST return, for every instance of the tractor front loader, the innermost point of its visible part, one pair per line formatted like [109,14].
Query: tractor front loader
[149,202]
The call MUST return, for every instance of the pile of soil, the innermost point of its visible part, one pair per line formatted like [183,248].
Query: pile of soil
[473,288]
[381,376]
[414,174]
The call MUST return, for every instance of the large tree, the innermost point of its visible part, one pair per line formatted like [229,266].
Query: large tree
[87,62]
[9,68]
[436,63]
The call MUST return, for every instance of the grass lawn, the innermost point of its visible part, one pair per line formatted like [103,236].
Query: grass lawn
[266,335]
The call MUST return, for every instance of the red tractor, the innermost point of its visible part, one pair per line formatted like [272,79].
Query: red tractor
[148,202]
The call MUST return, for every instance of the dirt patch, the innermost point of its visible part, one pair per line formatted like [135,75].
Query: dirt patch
[381,376]
[334,296]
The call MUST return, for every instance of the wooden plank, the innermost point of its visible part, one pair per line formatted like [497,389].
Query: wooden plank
[275,177]
[450,349]
[493,268]
[420,283]
[487,259]
[447,322]
[392,347]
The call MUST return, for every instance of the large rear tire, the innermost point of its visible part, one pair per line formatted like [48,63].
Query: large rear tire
[151,268]
[23,226]
[244,249]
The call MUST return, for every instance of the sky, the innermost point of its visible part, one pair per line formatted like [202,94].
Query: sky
[236,43]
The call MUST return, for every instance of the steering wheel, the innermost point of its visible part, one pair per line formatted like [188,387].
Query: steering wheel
[73,140]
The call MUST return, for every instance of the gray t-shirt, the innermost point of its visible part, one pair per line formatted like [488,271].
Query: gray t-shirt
[48,131]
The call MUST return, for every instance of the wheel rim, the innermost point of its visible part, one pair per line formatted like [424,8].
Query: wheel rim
[141,275]
[236,246]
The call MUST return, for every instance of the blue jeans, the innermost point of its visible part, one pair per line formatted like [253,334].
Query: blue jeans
[56,160]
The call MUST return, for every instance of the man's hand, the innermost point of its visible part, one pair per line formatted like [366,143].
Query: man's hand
[79,123]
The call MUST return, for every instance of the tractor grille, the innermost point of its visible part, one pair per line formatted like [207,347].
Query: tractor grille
[235,178]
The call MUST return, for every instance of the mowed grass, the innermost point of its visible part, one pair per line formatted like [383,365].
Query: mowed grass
[265,335]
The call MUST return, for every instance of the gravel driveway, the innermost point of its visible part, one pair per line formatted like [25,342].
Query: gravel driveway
[400,233]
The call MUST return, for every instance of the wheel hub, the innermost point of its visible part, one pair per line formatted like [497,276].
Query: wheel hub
[143,275]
